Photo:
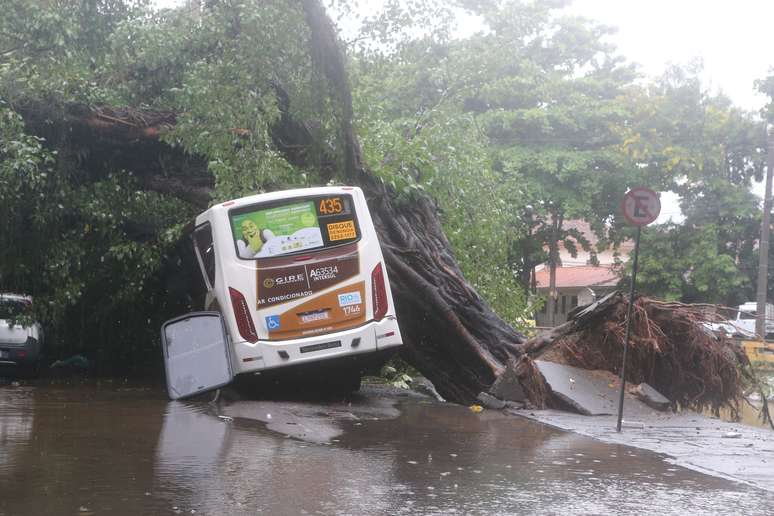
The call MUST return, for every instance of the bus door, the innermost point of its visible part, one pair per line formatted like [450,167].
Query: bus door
[196,354]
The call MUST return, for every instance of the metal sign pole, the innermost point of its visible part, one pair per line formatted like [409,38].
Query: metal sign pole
[629,312]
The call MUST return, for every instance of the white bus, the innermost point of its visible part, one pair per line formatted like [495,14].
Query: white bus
[294,277]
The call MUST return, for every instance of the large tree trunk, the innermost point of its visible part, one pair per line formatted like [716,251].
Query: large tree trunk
[451,334]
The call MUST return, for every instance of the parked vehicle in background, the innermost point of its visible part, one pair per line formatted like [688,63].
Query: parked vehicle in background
[295,280]
[728,328]
[21,340]
[746,315]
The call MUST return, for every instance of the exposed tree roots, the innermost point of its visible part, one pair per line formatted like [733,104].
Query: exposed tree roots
[535,387]
[669,348]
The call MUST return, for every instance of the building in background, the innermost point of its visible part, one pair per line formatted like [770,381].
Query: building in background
[580,279]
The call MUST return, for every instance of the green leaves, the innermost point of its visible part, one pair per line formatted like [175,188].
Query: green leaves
[530,118]
[538,112]
[690,264]
[700,146]
[84,235]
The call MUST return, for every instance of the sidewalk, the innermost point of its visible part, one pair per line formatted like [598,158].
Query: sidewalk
[708,445]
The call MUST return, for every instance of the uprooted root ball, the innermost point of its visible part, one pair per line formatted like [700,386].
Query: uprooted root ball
[669,348]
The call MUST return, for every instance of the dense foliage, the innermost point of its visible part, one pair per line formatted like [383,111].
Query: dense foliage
[97,249]
[566,125]
[536,100]
[529,122]
[710,152]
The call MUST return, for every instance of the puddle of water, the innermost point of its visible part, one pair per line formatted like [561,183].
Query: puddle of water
[751,415]
[80,450]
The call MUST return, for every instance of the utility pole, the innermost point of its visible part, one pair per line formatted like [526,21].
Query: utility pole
[763,247]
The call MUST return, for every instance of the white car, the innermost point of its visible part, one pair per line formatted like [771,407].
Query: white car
[729,328]
[20,343]
[746,319]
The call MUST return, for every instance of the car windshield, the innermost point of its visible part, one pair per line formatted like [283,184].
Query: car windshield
[10,308]
[746,315]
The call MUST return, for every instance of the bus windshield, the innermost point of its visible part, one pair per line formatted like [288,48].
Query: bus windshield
[293,225]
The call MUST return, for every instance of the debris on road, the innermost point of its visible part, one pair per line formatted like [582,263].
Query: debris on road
[651,397]
[490,402]
[585,392]
[507,386]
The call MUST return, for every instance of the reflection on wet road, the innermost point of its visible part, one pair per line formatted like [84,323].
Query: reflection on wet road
[88,450]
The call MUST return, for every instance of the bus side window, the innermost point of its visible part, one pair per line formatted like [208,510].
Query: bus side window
[205,252]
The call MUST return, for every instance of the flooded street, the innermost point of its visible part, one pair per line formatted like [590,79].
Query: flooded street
[107,450]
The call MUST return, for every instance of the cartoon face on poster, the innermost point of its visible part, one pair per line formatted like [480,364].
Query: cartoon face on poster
[277,231]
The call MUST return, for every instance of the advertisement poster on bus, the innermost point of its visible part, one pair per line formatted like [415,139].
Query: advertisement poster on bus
[277,231]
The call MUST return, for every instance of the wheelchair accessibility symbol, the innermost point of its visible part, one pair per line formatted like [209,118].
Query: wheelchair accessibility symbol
[273,322]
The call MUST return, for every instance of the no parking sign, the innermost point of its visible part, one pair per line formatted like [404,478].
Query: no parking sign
[640,207]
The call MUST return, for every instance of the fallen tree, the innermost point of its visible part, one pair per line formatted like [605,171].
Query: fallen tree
[670,348]
[451,334]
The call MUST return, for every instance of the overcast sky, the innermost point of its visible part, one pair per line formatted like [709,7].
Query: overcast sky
[734,38]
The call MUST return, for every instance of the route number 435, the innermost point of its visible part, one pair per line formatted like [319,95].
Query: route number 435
[329,206]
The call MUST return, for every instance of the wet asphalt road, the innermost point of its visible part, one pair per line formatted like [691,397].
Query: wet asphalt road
[93,449]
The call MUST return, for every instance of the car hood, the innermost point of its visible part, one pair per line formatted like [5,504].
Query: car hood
[13,334]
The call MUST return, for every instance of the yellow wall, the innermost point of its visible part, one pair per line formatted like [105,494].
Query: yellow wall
[759,351]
